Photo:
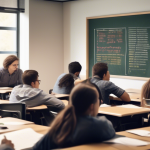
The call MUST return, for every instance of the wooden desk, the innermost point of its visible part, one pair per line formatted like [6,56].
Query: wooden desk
[135,95]
[104,146]
[137,137]
[43,106]
[4,101]
[121,112]
[133,91]
[13,124]
[4,90]
[35,127]
[124,118]
[10,119]
[62,96]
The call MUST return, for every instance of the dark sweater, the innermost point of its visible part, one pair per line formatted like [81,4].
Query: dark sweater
[88,130]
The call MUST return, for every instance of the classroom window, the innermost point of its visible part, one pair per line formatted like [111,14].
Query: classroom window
[8,35]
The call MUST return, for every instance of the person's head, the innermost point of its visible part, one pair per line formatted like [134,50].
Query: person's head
[30,77]
[84,101]
[145,93]
[11,63]
[101,69]
[75,68]
[66,81]
[85,97]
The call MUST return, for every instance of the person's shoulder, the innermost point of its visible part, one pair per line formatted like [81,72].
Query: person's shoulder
[100,121]
[18,86]
[107,83]
[2,69]
[63,74]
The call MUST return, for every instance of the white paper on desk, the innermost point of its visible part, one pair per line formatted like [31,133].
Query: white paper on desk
[6,88]
[127,141]
[140,132]
[22,139]
[129,106]
[14,123]
[105,105]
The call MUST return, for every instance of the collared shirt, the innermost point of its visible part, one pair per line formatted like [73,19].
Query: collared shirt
[106,88]
[7,80]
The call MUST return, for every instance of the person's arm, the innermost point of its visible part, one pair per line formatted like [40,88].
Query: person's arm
[104,129]
[77,81]
[6,144]
[43,144]
[113,89]
[125,97]
[51,101]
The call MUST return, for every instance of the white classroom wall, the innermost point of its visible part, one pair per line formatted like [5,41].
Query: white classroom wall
[46,41]
[24,38]
[57,35]
[74,28]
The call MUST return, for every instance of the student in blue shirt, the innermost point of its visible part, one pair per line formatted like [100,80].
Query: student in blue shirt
[78,124]
[65,82]
[101,78]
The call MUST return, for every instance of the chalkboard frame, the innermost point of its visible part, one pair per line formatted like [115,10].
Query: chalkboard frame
[87,44]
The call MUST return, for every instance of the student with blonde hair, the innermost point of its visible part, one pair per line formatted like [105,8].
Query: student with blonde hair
[145,94]
[78,123]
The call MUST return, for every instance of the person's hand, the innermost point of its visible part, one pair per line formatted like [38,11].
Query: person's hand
[7,142]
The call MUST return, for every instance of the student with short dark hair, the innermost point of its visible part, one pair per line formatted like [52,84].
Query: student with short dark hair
[10,75]
[101,78]
[65,82]
[77,124]
[30,93]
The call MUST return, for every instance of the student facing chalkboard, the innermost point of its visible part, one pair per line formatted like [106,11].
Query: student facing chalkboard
[101,78]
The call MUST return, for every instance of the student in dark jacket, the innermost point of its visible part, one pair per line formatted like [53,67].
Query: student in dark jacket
[101,78]
[78,124]
[10,75]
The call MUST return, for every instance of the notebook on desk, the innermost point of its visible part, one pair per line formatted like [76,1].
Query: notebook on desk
[23,139]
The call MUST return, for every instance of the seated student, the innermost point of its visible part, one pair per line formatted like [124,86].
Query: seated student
[78,124]
[101,78]
[10,75]
[145,94]
[6,144]
[30,93]
[65,82]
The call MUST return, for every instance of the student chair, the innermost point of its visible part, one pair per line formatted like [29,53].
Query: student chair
[16,110]
[50,91]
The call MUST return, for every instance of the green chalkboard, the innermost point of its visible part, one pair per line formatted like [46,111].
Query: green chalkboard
[123,42]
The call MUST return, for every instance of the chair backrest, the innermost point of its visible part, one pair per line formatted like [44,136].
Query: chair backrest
[16,110]
[50,91]
[147,102]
